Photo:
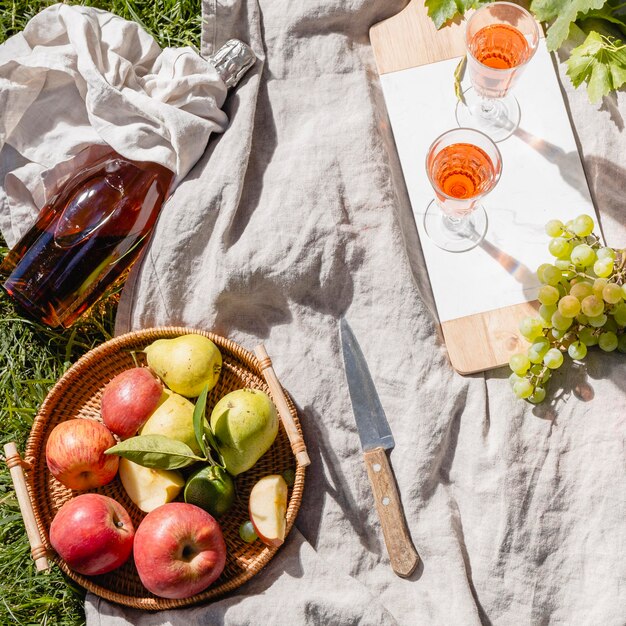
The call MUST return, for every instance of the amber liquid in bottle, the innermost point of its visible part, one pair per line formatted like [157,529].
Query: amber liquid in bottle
[461,171]
[85,238]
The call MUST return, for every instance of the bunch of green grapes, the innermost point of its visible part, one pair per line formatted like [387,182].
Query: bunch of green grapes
[583,304]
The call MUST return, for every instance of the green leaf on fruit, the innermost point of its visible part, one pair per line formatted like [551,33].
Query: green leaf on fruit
[199,420]
[156,451]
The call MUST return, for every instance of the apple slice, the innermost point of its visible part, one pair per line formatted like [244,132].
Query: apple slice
[267,507]
[149,488]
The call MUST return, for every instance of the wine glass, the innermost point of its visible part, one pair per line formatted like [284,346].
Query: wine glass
[500,38]
[463,166]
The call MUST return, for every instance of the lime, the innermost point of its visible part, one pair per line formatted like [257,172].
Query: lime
[212,489]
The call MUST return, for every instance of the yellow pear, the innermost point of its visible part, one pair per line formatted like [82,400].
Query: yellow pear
[173,418]
[245,424]
[149,488]
[185,364]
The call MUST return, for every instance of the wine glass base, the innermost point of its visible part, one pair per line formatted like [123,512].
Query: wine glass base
[463,236]
[499,123]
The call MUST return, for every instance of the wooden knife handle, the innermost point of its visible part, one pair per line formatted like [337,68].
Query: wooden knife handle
[402,553]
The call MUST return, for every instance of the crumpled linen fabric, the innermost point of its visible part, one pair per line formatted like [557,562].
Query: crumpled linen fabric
[296,216]
[77,79]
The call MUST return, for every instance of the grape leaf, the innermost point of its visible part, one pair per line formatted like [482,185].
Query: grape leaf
[564,13]
[600,61]
[441,11]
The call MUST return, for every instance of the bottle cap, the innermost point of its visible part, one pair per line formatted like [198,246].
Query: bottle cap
[233,60]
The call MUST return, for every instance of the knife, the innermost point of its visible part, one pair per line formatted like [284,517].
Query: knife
[376,439]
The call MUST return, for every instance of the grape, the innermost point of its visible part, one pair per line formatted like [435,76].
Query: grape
[612,293]
[569,306]
[538,395]
[610,324]
[598,322]
[563,265]
[560,322]
[548,295]
[581,290]
[537,350]
[598,287]
[519,363]
[541,373]
[554,228]
[592,306]
[577,350]
[558,334]
[560,248]
[583,225]
[608,342]
[523,388]
[540,270]
[553,358]
[619,314]
[581,318]
[545,312]
[515,378]
[588,337]
[605,253]
[603,267]
[624,290]
[621,344]
[247,532]
[551,275]
[583,255]
[531,328]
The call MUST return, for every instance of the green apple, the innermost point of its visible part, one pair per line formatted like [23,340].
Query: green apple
[149,488]
[173,418]
[185,364]
[245,424]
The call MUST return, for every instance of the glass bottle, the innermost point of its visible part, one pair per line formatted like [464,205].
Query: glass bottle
[87,235]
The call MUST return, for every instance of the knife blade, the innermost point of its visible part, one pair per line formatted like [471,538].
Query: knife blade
[376,438]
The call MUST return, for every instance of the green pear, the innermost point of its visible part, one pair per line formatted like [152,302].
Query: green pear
[245,424]
[173,418]
[185,364]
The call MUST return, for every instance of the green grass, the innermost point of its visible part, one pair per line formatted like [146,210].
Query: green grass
[34,357]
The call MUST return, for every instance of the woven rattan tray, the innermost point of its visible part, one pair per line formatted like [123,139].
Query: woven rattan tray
[77,394]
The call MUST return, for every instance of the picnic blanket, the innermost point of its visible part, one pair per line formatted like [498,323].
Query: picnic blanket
[296,216]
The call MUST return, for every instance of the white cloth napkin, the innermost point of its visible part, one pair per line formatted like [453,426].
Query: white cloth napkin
[78,77]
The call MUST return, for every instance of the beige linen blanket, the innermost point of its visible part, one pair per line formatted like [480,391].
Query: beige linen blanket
[296,216]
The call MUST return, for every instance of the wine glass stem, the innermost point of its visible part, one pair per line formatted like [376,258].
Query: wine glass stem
[487,108]
[454,224]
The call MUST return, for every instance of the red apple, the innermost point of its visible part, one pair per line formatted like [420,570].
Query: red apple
[267,507]
[93,534]
[129,399]
[179,550]
[75,454]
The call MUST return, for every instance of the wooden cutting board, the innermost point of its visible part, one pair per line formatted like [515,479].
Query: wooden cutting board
[481,295]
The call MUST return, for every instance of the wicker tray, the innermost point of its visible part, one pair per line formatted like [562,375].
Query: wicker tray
[77,394]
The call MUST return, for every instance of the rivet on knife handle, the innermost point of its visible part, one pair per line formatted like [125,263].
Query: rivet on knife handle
[402,553]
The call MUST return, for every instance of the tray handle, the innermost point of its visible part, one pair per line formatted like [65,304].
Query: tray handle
[16,467]
[297,442]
